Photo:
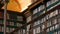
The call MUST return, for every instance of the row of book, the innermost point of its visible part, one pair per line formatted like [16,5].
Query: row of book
[48,23]
[14,24]
[41,7]
[14,17]
[11,23]
[7,29]
[51,2]
[21,31]
[36,10]
[19,18]
[48,16]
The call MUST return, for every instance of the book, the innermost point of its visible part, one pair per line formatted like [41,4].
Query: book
[19,32]
[49,24]
[1,15]
[59,11]
[54,21]
[38,9]
[56,0]
[42,20]
[41,7]
[51,29]
[48,30]
[55,33]
[51,15]
[28,19]
[18,24]
[7,23]
[0,28]
[43,26]
[23,31]
[35,23]
[58,19]
[56,26]
[52,1]
[55,13]
[7,30]
[19,18]
[1,22]
[8,16]
[38,29]
[47,17]
[48,3]
[28,27]
[35,11]
[58,32]
[12,29]
[34,31]
[11,23]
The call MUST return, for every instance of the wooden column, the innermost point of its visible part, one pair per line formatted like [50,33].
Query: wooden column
[45,24]
[5,15]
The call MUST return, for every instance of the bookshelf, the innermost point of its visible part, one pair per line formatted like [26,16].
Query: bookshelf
[49,22]
[14,20]
[42,19]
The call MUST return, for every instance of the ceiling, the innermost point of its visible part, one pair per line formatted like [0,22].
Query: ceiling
[18,5]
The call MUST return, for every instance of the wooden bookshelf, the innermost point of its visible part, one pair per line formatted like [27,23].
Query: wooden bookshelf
[13,21]
[44,21]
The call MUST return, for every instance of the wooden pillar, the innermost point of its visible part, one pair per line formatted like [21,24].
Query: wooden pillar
[5,14]
[45,24]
